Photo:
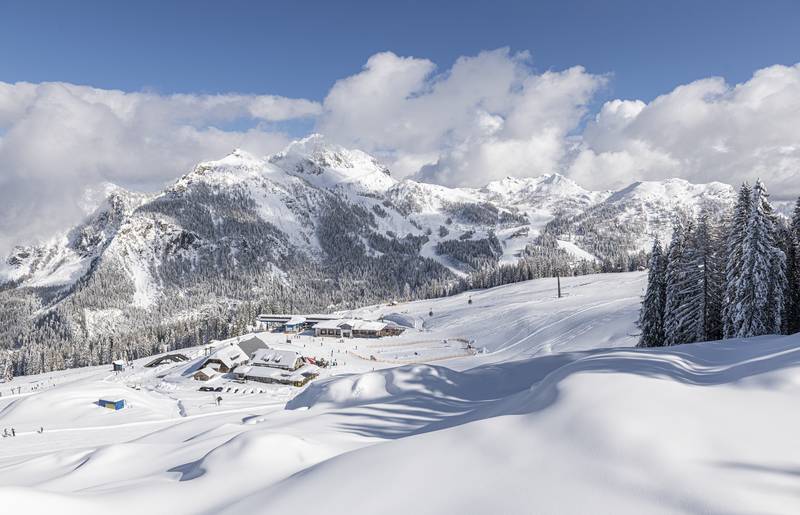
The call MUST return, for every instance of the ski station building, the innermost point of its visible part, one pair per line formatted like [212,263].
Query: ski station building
[356,328]
[291,323]
[226,359]
[277,366]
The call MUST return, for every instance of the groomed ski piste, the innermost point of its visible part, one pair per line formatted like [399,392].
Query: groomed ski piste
[549,409]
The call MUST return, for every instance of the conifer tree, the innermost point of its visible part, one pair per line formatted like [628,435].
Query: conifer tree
[792,250]
[679,320]
[733,262]
[761,284]
[651,316]
[683,318]
[709,261]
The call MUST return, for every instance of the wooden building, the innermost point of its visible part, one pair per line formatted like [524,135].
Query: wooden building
[204,374]
[226,358]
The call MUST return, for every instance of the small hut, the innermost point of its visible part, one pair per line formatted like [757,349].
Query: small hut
[205,373]
[114,405]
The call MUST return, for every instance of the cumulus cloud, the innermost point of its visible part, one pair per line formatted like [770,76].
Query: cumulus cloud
[492,115]
[703,131]
[57,140]
[486,117]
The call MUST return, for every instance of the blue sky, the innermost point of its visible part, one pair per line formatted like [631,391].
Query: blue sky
[299,49]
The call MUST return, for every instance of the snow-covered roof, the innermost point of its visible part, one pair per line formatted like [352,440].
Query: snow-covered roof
[275,373]
[244,369]
[354,323]
[369,325]
[296,320]
[328,324]
[207,371]
[229,355]
[284,318]
[275,358]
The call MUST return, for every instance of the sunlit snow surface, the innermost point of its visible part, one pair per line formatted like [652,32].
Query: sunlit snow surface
[553,415]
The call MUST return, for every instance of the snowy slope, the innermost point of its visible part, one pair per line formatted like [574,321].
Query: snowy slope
[527,319]
[702,428]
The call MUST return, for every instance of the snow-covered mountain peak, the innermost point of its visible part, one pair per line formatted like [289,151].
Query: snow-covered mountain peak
[547,184]
[423,197]
[553,192]
[236,168]
[328,165]
[237,159]
[673,192]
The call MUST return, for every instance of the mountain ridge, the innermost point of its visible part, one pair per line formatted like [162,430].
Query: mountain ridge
[315,226]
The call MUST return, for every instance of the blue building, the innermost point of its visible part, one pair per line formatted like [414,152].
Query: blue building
[294,324]
[115,405]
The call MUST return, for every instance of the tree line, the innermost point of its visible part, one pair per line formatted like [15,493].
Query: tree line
[733,276]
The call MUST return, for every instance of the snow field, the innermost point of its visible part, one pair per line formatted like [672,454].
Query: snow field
[557,415]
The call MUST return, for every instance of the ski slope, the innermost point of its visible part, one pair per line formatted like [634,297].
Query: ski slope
[523,320]
[555,413]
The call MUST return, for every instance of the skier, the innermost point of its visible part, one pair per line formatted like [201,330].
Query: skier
[13,432]
[219,400]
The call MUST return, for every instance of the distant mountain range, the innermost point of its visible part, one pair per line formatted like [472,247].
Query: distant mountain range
[316,226]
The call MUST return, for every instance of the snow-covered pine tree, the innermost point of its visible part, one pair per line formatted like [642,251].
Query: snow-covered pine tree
[736,231]
[709,260]
[651,316]
[683,317]
[792,249]
[683,288]
[761,284]
[672,278]
[788,245]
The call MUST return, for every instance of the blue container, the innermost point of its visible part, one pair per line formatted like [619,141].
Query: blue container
[115,405]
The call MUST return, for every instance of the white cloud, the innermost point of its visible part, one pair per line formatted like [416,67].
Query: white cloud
[703,131]
[491,115]
[58,139]
[486,117]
